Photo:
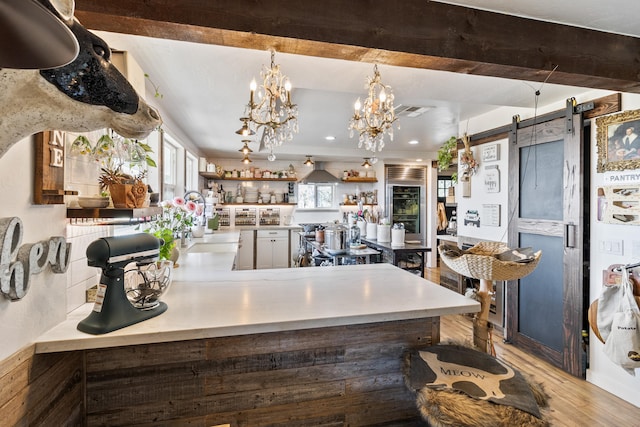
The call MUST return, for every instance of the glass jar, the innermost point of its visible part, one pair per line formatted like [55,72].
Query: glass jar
[354,236]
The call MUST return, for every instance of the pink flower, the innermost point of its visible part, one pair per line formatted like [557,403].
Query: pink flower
[199,209]
[190,205]
[179,201]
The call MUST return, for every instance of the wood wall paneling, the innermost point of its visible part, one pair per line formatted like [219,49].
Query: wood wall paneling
[331,376]
[42,389]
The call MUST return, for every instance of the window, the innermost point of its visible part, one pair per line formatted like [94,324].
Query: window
[315,196]
[170,170]
[443,187]
[191,173]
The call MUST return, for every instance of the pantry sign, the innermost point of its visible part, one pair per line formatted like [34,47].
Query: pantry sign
[622,178]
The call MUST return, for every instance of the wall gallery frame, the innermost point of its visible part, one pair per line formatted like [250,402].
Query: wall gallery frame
[618,139]
[491,153]
[492,179]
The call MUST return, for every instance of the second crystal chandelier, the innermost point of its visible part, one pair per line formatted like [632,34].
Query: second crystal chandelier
[375,118]
[270,107]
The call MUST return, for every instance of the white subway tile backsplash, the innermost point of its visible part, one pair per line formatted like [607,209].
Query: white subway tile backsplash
[76,296]
[80,276]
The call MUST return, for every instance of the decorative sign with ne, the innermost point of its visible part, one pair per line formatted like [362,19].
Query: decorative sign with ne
[19,262]
[49,168]
[491,215]
[56,149]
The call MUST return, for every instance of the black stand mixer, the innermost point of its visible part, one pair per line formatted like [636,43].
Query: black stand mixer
[112,309]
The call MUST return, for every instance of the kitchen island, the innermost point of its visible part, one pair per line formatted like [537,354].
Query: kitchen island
[300,346]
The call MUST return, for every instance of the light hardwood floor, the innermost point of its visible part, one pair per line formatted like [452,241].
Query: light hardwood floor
[573,402]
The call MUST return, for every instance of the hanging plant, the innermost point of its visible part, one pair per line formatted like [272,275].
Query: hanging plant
[447,153]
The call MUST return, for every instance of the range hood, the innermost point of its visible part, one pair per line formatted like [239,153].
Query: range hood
[319,176]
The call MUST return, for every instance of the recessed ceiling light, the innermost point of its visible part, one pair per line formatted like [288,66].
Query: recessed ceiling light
[330,138]
[413,142]
[418,160]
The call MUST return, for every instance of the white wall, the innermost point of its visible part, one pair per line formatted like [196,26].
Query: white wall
[480,196]
[44,305]
[602,372]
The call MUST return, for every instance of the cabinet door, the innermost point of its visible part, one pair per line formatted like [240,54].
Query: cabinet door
[264,258]
[280,253]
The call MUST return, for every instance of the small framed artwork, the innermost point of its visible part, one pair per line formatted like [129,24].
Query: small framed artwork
[491,215]
[491,153]
[492,179]
[618,138]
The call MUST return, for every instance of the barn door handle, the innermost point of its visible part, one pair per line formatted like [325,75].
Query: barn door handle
[570,235]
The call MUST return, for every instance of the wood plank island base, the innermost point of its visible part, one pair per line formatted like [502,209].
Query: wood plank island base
[344,375]
[304,346]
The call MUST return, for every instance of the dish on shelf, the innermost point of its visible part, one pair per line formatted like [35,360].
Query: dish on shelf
[93,202]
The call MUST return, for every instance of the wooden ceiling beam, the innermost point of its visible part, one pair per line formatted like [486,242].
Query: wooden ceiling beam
[411,33]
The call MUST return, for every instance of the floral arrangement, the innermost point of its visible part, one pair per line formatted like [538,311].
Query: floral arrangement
[178,216]
[468,163]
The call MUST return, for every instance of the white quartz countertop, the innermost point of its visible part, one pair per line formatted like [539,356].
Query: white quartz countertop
[204,302]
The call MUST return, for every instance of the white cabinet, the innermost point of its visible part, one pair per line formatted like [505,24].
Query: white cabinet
[244,257]
[272,249]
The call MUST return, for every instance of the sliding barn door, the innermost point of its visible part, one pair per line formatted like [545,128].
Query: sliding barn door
[544,309]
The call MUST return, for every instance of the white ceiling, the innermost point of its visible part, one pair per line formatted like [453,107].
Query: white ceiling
[206,87]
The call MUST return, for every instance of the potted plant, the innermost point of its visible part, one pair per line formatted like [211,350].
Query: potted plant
[115,154]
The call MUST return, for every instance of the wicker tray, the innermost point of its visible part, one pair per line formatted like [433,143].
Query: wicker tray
[480,262]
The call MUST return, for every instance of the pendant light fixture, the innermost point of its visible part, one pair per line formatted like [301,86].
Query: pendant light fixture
[246,160]
[31,37]
[308,162]
[245,130]
[270,107]
[366,163]
[245,148]
[374,119]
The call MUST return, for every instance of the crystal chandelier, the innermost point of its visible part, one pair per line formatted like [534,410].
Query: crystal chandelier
[375,118]
[270,107]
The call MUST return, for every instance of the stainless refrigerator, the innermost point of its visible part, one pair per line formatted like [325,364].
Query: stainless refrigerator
[406,195]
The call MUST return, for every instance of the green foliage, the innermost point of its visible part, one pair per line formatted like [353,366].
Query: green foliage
[156,88]
[177,218]
[446,153]
[169,242]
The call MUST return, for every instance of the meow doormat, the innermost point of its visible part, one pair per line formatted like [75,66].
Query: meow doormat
[478,375]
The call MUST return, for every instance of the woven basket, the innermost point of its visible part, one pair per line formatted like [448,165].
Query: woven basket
[480,262]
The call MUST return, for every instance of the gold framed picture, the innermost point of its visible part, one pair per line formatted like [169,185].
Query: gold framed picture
[619,141]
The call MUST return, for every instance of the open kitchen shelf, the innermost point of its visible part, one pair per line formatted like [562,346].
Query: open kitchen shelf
[120,213]
[257,204]
[359,179]
[211,175]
